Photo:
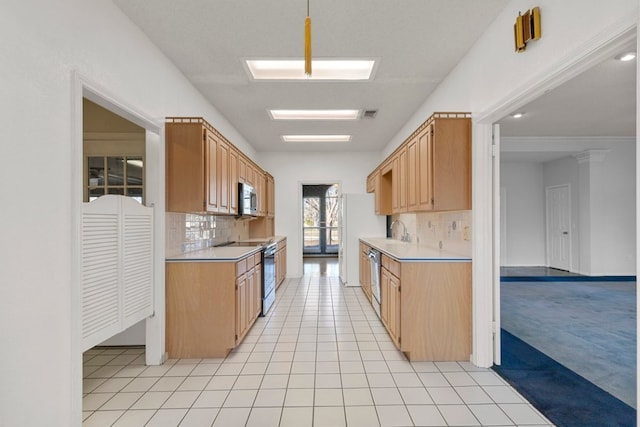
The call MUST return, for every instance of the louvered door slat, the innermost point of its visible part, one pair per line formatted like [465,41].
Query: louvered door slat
[116,267]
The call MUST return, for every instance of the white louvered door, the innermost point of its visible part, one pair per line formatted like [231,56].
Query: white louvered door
[116,267]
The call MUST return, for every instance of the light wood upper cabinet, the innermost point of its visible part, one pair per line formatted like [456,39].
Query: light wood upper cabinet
[271,199]
[191,171]
[384,189]
[250,174]
[190,168]
[211,176]
[203,169]
[425,169]
[451,158]
[233,181]
[261,191]
[242,169]
[223,178]
[430,171]
[382,198]
[371,181]
[399,181]
[413,179]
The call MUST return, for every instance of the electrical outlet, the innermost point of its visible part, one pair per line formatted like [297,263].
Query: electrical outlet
[466,233]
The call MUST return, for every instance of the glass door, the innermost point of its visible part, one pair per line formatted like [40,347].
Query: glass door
[320,219]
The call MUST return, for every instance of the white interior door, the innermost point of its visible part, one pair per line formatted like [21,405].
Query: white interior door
[558,200]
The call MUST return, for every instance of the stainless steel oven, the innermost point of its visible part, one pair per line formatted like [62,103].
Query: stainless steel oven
[268,277]
[374,263]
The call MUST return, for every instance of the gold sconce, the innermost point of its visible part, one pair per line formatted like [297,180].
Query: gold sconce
[526,28]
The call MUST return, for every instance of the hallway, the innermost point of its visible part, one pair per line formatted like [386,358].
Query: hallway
[321,357]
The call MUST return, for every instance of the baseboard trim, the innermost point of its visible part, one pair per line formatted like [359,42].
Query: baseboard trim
[568,278]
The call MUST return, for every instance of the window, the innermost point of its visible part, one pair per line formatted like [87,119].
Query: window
[123,175]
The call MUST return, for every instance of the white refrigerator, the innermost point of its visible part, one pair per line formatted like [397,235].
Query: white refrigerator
[357,219]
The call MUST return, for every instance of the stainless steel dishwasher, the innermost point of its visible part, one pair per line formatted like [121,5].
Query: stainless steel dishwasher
[374,263]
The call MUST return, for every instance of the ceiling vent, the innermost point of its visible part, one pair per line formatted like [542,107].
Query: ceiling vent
[369,114]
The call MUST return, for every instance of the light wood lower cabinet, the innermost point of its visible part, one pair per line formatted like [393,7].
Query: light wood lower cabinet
[365,270]
[210,306]
[426,308]
[390,309]
[281,262]
[248,295]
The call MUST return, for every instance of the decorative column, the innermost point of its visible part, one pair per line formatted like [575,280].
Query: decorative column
[591,209]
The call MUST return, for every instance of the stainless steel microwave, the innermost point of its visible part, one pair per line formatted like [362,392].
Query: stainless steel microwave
[247,200]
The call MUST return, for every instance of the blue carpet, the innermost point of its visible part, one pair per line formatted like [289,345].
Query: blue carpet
[564,397]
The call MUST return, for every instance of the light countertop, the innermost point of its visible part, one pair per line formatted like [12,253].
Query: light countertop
[222,253]
[407,251]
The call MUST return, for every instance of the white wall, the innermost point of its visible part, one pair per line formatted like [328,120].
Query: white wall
[492,72]
[617,250]
[610,244]
[525,219]
[291,170]
[49,40]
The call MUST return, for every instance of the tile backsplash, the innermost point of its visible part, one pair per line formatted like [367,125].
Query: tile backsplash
[191,232]
[453,229]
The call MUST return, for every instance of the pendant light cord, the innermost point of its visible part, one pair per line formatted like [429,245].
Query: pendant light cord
[307,43]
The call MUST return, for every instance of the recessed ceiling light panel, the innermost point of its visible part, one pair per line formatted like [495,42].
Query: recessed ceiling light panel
[316,138]
[627,56]
[517,115]
[314,114]
[323,69]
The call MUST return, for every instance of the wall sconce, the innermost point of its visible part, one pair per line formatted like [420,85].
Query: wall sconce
[526,28]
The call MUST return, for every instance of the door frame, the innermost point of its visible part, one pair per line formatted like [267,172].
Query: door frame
[548,228]
[322,241]
[300,237]
[83,87]
[485,280]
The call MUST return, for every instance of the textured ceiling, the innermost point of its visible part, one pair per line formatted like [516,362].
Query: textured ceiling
[601,102]
[416,44]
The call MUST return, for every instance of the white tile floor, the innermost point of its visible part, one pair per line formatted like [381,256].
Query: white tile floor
[320,358]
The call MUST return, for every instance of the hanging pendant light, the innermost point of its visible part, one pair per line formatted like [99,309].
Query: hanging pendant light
[307,43]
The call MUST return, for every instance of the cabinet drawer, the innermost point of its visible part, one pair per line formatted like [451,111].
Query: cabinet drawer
[256,258]
[281,245]
[391,264]
[241,267]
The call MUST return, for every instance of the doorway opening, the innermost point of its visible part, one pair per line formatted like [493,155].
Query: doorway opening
[113,157]
[320,220]
[136,173]
[566,270]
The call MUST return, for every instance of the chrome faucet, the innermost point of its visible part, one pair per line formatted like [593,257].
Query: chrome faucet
[405,235]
